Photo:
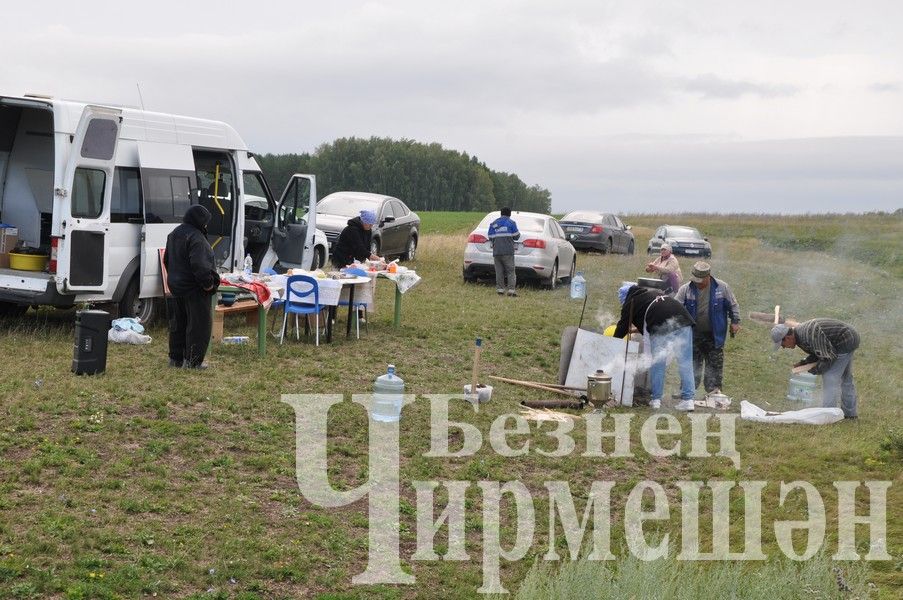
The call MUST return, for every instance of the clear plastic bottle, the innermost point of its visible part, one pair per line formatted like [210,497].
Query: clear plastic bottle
[578,286]
[249,265]
[388,392]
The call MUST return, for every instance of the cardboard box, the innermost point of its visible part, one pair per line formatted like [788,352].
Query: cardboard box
[9,237]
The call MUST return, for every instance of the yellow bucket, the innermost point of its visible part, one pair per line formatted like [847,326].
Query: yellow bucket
[28,262]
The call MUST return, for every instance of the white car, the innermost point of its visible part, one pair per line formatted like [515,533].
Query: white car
[542,252]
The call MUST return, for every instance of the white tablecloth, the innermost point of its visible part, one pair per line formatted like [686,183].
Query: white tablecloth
[331,291]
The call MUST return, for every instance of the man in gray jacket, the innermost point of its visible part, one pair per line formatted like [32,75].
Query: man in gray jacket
[502,234]
[830,345]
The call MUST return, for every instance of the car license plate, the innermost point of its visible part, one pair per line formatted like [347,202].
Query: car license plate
[575,229]
[691,251]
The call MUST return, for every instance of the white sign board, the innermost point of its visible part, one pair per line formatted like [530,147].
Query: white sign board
[593,351]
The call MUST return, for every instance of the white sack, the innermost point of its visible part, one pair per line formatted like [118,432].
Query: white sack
[127,336]
[805,416]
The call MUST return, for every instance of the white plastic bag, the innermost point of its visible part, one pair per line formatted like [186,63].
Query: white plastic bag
[127,336]
[805,416]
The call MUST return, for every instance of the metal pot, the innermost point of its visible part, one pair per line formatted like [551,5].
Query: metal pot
[598,387]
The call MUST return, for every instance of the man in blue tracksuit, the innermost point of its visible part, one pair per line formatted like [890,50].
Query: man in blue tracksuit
[712,304]
[502,234]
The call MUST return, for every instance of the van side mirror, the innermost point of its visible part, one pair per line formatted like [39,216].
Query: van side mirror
[627,228]
[706,239]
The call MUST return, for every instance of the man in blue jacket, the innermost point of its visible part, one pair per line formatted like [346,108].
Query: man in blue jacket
[713,305]
[502,234]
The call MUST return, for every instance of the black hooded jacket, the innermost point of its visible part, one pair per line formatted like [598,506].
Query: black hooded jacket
[353,243]
[189,257]
[665,313]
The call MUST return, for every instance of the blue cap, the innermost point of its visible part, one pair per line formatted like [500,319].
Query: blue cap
[368,217]
[622,291]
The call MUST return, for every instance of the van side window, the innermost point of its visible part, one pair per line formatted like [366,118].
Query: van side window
[214,189]
[126,205]
[166,197]
[87,193]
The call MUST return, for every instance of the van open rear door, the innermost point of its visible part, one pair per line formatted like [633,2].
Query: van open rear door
[88,182]
[167,172]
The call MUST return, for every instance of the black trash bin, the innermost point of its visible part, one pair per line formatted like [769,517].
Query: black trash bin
[91,330]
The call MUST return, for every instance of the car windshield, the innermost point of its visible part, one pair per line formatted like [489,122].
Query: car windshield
[344,206]
[683,232]
[583,217]
[524,223]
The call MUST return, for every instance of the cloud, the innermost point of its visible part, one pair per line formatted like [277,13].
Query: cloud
[714,87]
[884,88]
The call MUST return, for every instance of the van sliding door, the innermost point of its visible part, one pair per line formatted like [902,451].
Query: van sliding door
[88,182]
[167,171]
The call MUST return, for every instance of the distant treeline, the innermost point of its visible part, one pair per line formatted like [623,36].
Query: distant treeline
[423,176]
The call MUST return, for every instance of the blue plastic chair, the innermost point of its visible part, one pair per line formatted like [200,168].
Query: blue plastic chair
[298,290]
[357,305]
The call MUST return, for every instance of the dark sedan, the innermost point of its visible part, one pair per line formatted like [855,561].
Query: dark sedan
[684,241]
[588,230]
[397,229]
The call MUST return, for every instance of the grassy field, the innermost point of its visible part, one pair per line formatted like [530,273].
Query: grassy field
[149,480]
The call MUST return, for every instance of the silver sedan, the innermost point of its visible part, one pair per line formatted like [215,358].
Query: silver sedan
[542,252]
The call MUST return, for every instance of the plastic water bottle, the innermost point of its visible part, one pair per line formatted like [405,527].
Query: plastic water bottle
[578,286]
[388,392]
[249,265]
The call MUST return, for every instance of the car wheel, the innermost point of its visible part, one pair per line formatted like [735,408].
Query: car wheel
[630,248]
[374,246]
[411,251]
[552,282]
[610,248]
[572,272]
[143,309]
[468,278]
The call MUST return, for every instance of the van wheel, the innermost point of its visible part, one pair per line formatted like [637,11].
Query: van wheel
[141,308]
[319,258]
[11,310]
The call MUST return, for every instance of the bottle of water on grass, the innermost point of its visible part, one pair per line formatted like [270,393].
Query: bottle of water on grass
[388,392]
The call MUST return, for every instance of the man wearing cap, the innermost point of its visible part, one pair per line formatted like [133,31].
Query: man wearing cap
[667,268]
[830,345]
[354,241]
[712,304]
[502,234]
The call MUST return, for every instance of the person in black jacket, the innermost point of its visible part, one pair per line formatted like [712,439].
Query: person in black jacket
[192,278]
[354,241]
[668,328]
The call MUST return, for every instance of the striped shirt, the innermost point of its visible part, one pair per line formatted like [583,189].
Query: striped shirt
[825,339]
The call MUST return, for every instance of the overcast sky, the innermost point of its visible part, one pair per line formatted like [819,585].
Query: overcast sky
[627,106]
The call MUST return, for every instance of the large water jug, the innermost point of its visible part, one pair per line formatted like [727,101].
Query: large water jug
[802,387]
[578,286]
[388,392]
